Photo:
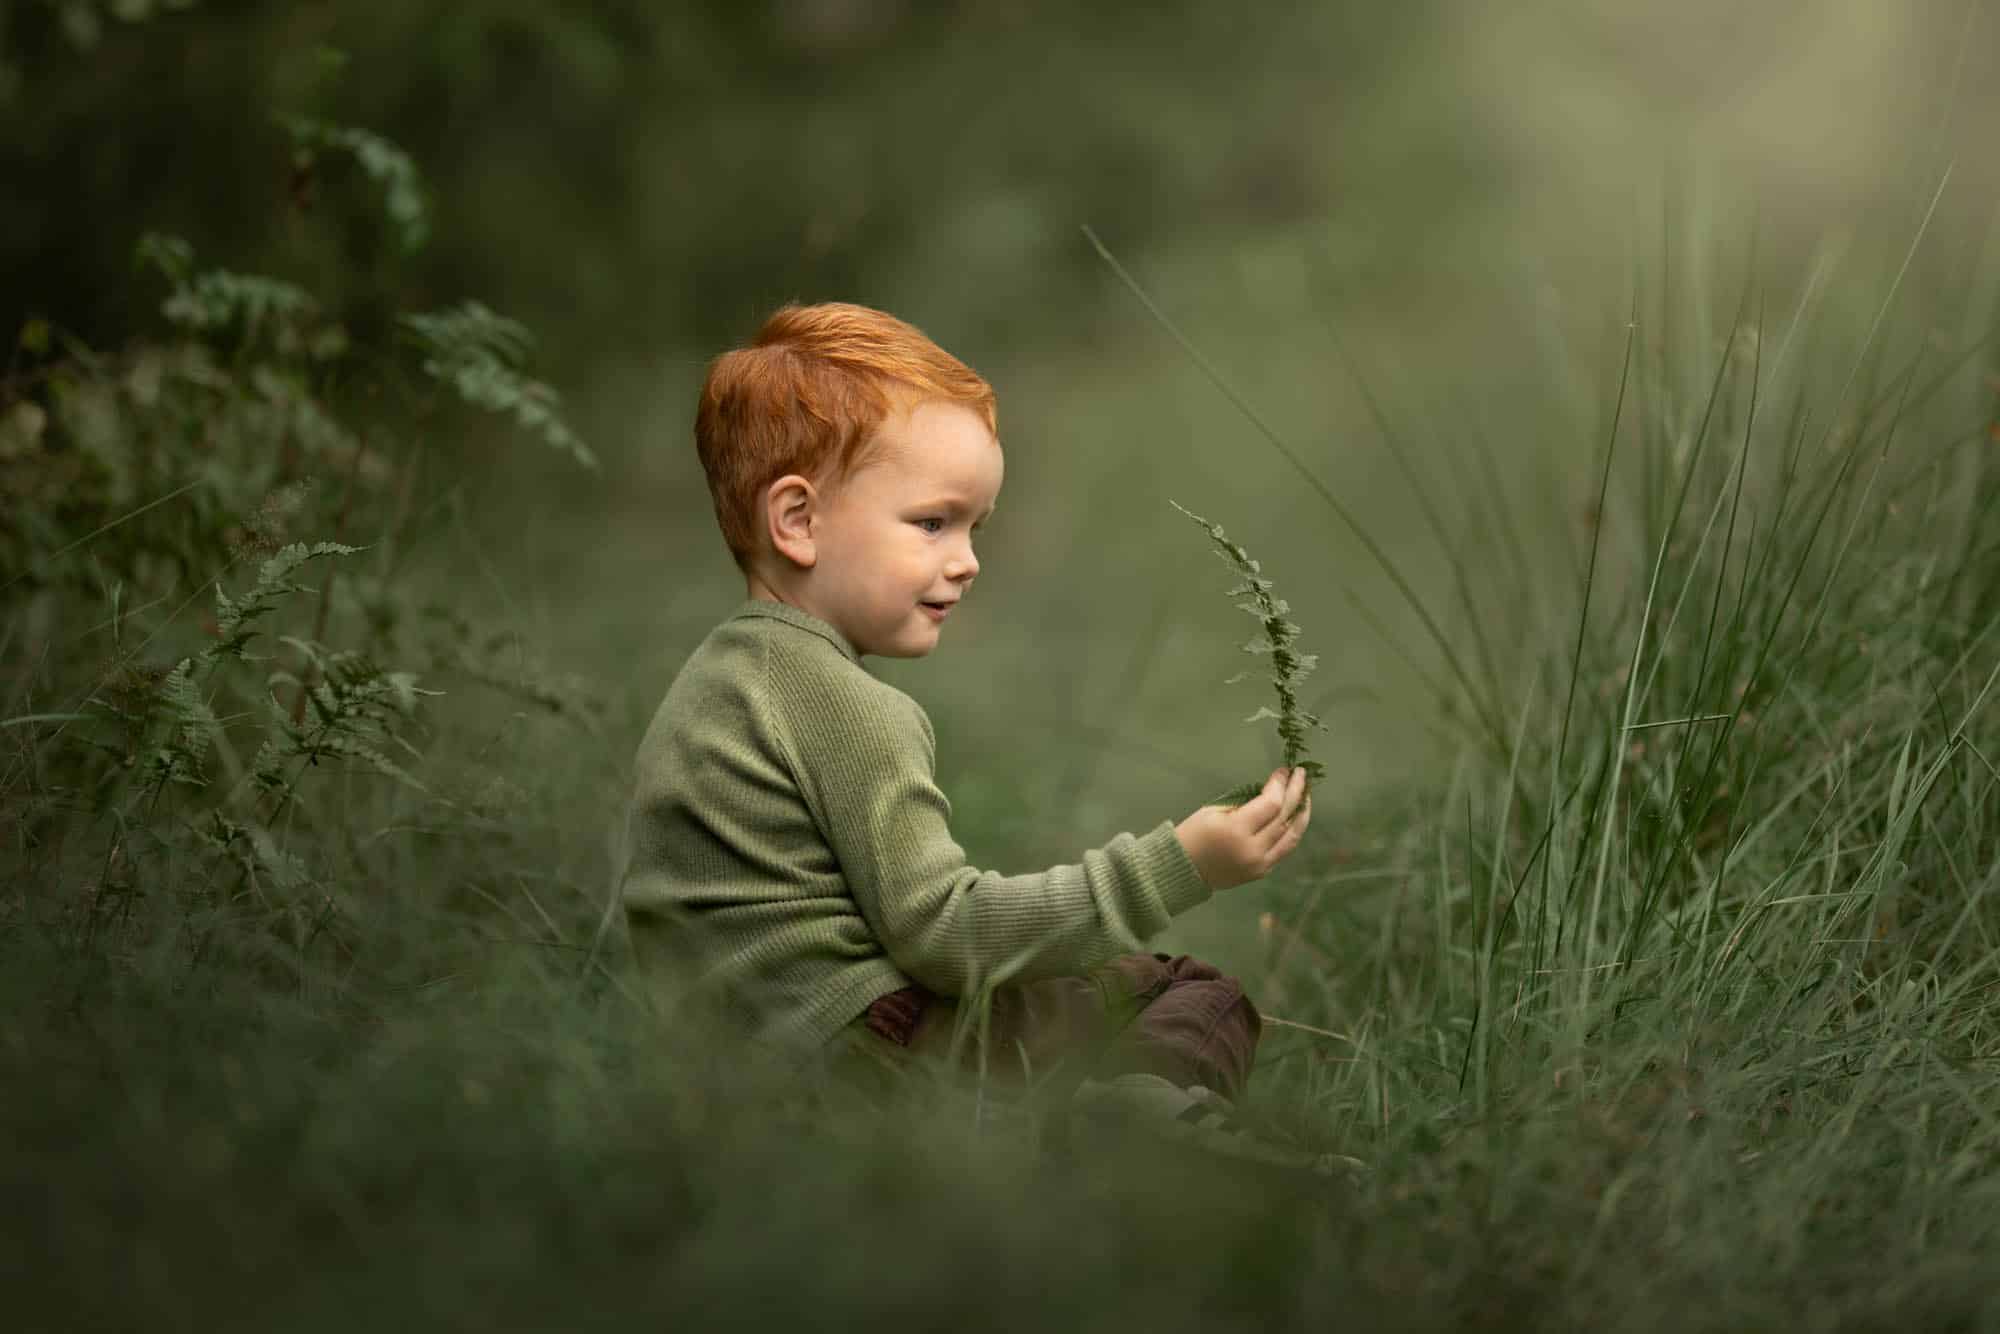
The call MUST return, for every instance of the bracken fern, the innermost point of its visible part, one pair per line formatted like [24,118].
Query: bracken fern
[202,771]
[383,162]
[478,355]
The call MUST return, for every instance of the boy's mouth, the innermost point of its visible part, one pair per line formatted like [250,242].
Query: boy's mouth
[937,610]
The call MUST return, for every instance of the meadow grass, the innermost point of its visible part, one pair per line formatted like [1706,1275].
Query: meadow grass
[1669,1005]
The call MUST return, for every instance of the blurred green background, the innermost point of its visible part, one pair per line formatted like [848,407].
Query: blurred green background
[1454,205]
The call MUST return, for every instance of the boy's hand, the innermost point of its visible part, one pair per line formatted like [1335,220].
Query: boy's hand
[1232,847]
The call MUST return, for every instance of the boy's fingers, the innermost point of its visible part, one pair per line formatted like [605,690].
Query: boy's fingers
[1294,792]
[1262,809]
[1284,834]
[1289,841]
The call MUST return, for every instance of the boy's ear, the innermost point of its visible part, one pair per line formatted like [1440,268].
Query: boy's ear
[790,505]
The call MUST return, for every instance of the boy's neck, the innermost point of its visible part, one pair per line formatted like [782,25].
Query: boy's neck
[783,592]
[757,589]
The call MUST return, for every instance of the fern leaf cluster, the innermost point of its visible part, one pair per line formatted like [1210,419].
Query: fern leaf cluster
[1277,634]
[387,165]
[353,708]
[233,615]
[353,705]
[229,760]
[205,302]
[478,355]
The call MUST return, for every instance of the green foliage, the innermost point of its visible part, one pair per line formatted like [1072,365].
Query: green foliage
[191,729]
[388,166]
[253,428]
[342,707]
[478,355]
[233,615]
[354,706]
[83,22]
[1276,633]
[216,300]
[661,149]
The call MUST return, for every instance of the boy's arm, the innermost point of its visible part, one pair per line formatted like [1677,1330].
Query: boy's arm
[866,768]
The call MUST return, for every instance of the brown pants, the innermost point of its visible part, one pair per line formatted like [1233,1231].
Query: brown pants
[1175,1017]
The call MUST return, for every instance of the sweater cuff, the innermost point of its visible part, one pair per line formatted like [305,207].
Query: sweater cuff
[1167,866]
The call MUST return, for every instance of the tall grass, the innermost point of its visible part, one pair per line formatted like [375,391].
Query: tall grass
[1686,993]
[1670,1004]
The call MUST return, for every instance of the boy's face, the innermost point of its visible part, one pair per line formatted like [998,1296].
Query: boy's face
[893,544]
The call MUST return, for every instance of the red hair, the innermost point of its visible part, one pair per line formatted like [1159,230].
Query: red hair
[807,396]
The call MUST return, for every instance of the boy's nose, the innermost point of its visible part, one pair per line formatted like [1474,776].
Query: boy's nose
[962,565]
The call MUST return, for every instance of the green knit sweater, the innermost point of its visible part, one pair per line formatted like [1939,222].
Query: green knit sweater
[789,850]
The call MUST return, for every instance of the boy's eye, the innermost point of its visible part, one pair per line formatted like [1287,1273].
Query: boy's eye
[931,525]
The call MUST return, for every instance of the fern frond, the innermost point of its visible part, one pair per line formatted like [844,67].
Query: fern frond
[388,166]
[1276,636]
[190,714]
[350,748]
[355,705]
[219,299]
[478,355]
[273,584]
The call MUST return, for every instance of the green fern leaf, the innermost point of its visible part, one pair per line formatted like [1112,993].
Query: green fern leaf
[1252,595]
[392,170]
[478,354]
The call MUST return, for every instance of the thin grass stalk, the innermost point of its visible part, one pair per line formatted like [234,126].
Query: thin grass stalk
[1399,452]
[1319,488]
[1703,785]
[1583,617]
[1494,923]
[1742,468]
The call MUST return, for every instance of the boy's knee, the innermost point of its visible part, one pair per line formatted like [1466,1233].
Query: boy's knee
[1187,968]
[1149,975]
[1202,1030]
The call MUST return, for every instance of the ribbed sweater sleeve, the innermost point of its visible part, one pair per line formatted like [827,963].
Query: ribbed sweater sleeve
[789,855]
[864,755]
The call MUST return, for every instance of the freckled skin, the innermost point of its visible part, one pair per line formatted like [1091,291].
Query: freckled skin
[866,556]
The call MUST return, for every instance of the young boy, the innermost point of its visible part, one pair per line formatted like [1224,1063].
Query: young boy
[790,849]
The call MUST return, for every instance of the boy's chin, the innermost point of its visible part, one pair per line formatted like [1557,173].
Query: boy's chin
[917,643]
